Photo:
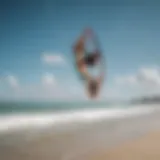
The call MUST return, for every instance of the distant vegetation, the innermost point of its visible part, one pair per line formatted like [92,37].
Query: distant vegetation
[147,100]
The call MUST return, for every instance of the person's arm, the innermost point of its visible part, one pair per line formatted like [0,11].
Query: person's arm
[81,40]
[79,45]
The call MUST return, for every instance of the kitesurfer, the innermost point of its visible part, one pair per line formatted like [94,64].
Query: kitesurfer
[83,60]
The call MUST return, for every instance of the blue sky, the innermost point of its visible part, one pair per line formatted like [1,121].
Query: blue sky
[129,33]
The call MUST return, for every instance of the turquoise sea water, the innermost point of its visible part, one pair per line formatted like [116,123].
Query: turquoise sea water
[14,107]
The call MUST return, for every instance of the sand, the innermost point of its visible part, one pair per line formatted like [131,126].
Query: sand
[146,147]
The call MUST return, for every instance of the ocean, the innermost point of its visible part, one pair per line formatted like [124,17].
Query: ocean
[21,115]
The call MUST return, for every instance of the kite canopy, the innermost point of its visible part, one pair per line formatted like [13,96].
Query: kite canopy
[90,62]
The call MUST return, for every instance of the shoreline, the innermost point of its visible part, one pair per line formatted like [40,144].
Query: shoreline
[22,121]
[80,141]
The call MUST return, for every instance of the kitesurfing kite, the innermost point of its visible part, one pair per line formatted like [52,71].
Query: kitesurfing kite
[89,62]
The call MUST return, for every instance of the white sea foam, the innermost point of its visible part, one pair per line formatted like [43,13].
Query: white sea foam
[20,121]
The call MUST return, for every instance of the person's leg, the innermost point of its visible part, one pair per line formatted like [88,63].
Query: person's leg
[92,88]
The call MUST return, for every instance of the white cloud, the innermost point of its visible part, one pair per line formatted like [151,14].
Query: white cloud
[52,58]
[129,79]
[9,87]
[47,89]
[145,81]
[12,81]
[48,80]
[149,76]
[144,77]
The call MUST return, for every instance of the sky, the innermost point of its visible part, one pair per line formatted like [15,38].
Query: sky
[36,59]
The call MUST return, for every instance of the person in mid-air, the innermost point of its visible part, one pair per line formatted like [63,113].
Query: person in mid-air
[84,60]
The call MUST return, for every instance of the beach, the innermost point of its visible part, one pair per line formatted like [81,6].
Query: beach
[126,137]
[145,147]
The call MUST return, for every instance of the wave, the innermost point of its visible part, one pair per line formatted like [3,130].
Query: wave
[20,121]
